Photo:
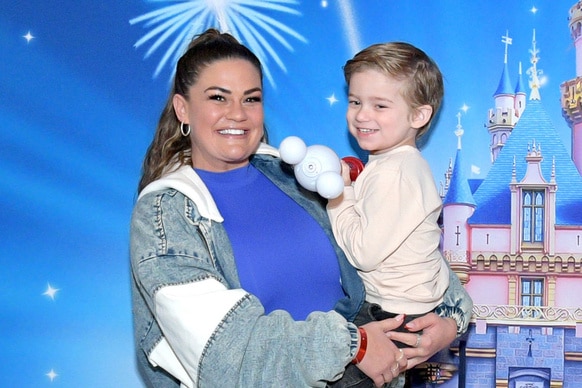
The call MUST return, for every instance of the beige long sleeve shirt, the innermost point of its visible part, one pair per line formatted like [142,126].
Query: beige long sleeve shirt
[387,225]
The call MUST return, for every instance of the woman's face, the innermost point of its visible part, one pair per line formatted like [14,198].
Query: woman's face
[225,114]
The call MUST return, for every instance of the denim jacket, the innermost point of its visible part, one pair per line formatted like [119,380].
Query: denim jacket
[195,326]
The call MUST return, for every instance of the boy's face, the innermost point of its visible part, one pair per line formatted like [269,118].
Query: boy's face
[378,116]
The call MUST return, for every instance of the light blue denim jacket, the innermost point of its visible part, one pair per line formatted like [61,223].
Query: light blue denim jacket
[195,326]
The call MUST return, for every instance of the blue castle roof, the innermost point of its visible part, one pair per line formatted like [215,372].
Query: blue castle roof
[504,86]
[474,184]
[493,196]
[519,87]
[459,191]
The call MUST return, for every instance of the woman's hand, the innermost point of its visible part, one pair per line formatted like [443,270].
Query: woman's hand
[437,334]
[383,360]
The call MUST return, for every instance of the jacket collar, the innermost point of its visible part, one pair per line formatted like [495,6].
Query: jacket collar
[185,180]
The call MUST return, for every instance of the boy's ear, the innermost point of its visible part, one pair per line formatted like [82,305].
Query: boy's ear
[180,107]
[421,116]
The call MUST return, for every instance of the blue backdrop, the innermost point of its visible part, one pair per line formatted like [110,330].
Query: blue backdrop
[81,88]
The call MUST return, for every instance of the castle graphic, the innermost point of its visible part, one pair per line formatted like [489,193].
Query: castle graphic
[515,240]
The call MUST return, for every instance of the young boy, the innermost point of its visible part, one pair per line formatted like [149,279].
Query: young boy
[386,222]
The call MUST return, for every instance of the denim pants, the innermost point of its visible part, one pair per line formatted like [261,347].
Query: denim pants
[353,377]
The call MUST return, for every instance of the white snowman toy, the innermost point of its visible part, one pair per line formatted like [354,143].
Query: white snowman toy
[317,167]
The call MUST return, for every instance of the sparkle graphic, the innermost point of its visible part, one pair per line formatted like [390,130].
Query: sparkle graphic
[533,10]
[332,100]
[465,108]
[176,24]
[52,375]
[51,292]
[28,37]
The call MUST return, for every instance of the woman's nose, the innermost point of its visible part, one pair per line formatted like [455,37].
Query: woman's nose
[236,112]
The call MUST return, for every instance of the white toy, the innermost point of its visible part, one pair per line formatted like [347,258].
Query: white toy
[317,167]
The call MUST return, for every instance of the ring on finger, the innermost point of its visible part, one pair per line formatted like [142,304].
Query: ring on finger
[395,369]
[418,339]
[401,356]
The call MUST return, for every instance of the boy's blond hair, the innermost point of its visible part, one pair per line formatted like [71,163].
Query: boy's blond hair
[403,61]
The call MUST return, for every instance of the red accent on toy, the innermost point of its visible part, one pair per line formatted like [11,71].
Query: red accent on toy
[356,166]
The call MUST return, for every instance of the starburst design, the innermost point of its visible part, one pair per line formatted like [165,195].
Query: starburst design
[177,23]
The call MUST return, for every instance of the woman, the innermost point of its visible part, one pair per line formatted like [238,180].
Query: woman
[235,270]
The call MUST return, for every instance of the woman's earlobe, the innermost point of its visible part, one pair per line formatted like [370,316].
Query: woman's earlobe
[180,107]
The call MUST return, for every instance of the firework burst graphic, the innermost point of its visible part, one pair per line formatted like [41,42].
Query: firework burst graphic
[248,20]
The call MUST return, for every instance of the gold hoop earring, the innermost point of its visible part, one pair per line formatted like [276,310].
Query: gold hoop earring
[184,133]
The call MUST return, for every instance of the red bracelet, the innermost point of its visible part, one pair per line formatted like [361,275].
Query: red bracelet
[363,345]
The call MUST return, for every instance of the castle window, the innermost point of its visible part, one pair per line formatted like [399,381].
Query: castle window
[533,216]
[532,296]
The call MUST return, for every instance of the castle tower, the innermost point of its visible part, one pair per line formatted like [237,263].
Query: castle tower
[572,89]
[519,95]
[458,206]
[503,117]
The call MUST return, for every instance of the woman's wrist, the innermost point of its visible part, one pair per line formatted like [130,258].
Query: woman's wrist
[362,346]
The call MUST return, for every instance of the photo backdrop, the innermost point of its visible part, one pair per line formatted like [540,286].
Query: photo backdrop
[82,85]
